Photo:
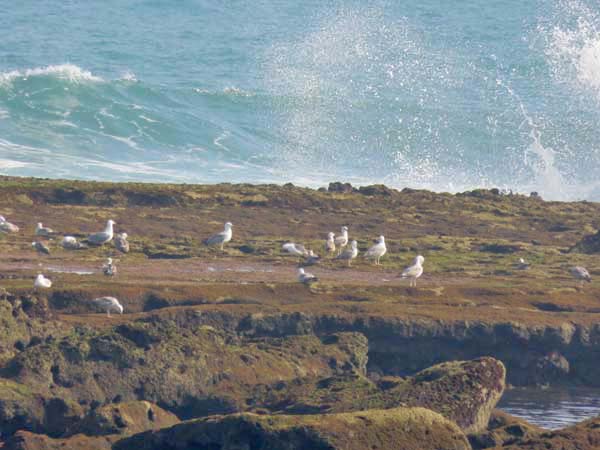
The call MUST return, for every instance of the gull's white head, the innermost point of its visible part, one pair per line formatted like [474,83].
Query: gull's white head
[2,219]
[109,261]
[330,235]
[33,244]
[111,222]
[39,225]
[39,277]
[124,235]
[354,244]
[344,229]
[419,260]
[301,271]
[521,260]
[119,307]
[381,239]
[228,226]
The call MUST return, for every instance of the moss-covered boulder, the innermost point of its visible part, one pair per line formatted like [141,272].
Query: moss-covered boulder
[400,428]
[503,430]
[125,419]
[25,440]
[465,392]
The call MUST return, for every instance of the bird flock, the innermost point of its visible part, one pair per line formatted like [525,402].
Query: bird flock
[335,246]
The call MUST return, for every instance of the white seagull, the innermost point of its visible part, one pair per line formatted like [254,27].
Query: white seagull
[109,304]
[41,282]
[121,243]
[350,253]
[330,243]
[221,238]
[294,249]
[377,251]
[71,243]
[7,227]
[102,237]
[342,240]
[414,271]
[581,274]
[109,269]
[522,264]
[40,247]
[305,277]
[41,230]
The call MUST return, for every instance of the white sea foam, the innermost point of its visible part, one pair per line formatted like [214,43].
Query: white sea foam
[69,72]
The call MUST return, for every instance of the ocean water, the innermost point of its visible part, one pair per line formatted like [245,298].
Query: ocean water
[429,94]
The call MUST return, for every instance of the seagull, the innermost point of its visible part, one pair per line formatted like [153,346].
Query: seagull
[109,269]
[305,277]
[221,238]
[41,282]
[109,304]
[377,251]
[581,274]
[102,237]
[414,271]
[342,241]
[41,230]
[71,243]
[295,249]
[350,253]
[311,259]
[7,227]
[522,264]
[121,243]
[330,243]
[41,247]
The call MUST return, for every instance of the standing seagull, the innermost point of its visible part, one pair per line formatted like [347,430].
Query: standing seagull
[330,243]
[221,238]
[350,253]
[41,230]
[109,269]
[41,247]
[41,282]
[109,304]
[305,277]
[342,240]
[121,243]
[377,251]
[7,227]
[414,271]
[581,274]
[71,243]
[102,237]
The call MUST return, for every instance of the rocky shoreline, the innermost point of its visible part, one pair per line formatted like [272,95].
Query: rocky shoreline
[220,350]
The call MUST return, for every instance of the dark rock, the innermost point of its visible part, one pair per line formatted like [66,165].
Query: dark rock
[500,248]
[503,429]
[340,188]
[589,244]
[376,189]
[552,368]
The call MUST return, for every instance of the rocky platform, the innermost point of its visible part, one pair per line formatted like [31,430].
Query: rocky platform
[208,332]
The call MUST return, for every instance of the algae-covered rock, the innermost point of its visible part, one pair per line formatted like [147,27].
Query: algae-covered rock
[124,418]
[25,440]
[583,436]
[400,428]
[465,392]
[503,430]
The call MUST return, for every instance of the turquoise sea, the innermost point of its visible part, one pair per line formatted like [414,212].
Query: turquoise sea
[421,93]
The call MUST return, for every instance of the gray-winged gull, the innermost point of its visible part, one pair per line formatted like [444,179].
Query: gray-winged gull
[414,271]
[522,264]
[109,269]
[221,238]
[295,249]
[350,253]
[581,273]
[121,242]
[71,243]
[306,277]
[109,304]
[311,259]
[377,251]
[40,247]
[41,282]
[41,230]
[103,237]
[342,240]
[7,227]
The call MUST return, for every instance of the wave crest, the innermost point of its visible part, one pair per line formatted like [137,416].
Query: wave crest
[69,72]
